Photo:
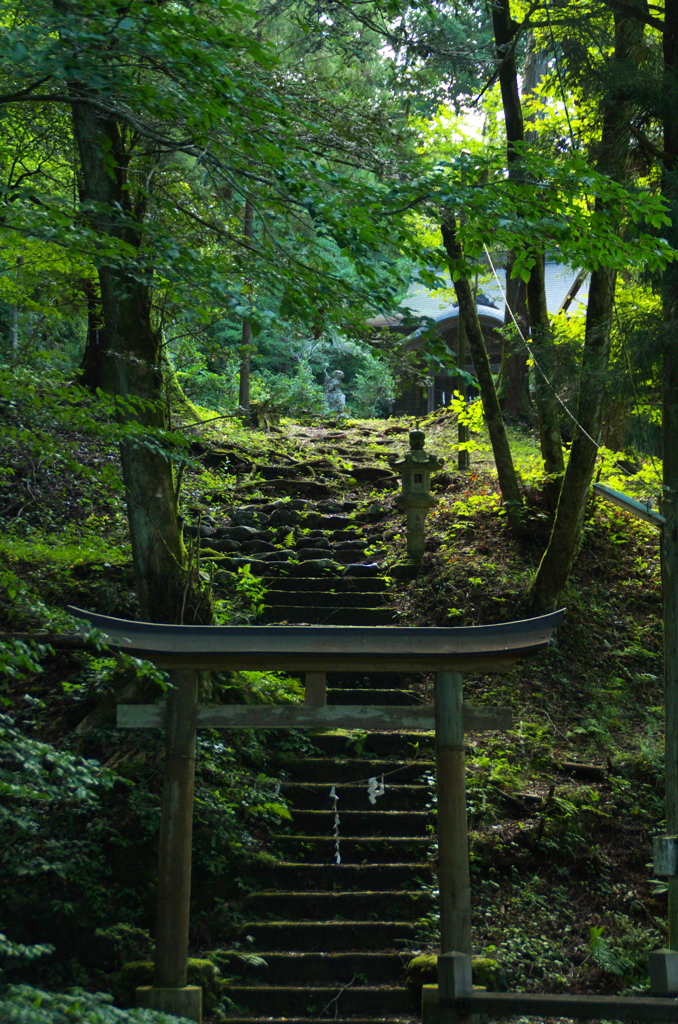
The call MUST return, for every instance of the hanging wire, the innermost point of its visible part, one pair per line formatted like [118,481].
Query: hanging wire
[533,357]
[549,383]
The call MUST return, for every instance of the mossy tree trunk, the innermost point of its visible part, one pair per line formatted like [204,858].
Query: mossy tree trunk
[550,438]
[556,564]
[131,370]
[513,385]
[558,559]
[508,480]
[94,353]
[505,28]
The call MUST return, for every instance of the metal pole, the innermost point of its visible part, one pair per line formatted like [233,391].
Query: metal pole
[176,833]
[453,864]
[669,564]
[669,558]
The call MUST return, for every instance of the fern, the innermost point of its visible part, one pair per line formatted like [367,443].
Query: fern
[604,955]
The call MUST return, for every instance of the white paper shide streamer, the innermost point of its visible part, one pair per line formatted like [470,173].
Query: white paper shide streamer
[375,789]
[335,831]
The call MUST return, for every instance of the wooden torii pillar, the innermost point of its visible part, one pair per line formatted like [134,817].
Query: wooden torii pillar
[312,650]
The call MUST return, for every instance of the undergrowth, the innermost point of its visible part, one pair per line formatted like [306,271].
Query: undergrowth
[563,898]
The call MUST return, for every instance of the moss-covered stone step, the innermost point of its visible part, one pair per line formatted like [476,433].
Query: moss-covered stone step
[363,822]
[401,744]
[298,1000]
[362,570]
[354,769]
[328,616]
[323,968]
[365,850]
[371,697]
[374,1019]
[338,906]
[354,798]
[323,599]
[320,521]
[387,680]
[345,877]
[307,936]
[340,584]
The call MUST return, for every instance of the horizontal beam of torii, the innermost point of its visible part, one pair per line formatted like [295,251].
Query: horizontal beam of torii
[313,651]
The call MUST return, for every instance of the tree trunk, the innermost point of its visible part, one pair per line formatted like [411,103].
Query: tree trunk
[556,565]
[94,354]
[131,370]
[548,418]
[463,432]
[508,481]
[246,336]
[513,386]
[15,314]
[535,67]
[547,409]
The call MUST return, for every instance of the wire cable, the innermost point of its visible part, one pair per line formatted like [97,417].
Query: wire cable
[546,379]
[534,358]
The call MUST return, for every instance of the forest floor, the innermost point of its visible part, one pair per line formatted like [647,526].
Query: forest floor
[562,809]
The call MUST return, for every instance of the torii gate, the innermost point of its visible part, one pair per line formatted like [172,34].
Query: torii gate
[314,651]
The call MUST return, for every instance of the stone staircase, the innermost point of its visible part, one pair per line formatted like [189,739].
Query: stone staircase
[336,937]
[316,560]
[334,932]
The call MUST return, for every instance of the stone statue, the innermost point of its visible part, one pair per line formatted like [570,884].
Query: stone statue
[335,399]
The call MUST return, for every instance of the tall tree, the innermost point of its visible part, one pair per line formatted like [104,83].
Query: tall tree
[556,564]
[508,480]
[505,34]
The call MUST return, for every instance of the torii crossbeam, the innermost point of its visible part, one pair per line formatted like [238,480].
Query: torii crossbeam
[313,651]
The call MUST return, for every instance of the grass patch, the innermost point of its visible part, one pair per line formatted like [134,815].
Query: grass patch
[62,549]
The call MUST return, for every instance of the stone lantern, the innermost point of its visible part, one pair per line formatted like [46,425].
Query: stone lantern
[415,468]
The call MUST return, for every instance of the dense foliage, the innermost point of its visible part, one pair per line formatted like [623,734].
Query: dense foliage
[201,207]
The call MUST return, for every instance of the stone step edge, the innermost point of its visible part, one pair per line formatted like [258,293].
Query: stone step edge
[323,1020]
[413,865]
[390,767]
[372,811]
[305,893]
[330,954]
[356,787]
[315,988]
[313,922]
[357,839]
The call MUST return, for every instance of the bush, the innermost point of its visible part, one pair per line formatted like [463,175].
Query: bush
[23,1004]
[372,391]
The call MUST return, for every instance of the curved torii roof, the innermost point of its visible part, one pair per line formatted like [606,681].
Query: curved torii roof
[491,648]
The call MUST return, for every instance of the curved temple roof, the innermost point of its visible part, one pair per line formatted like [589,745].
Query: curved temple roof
[329,648]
